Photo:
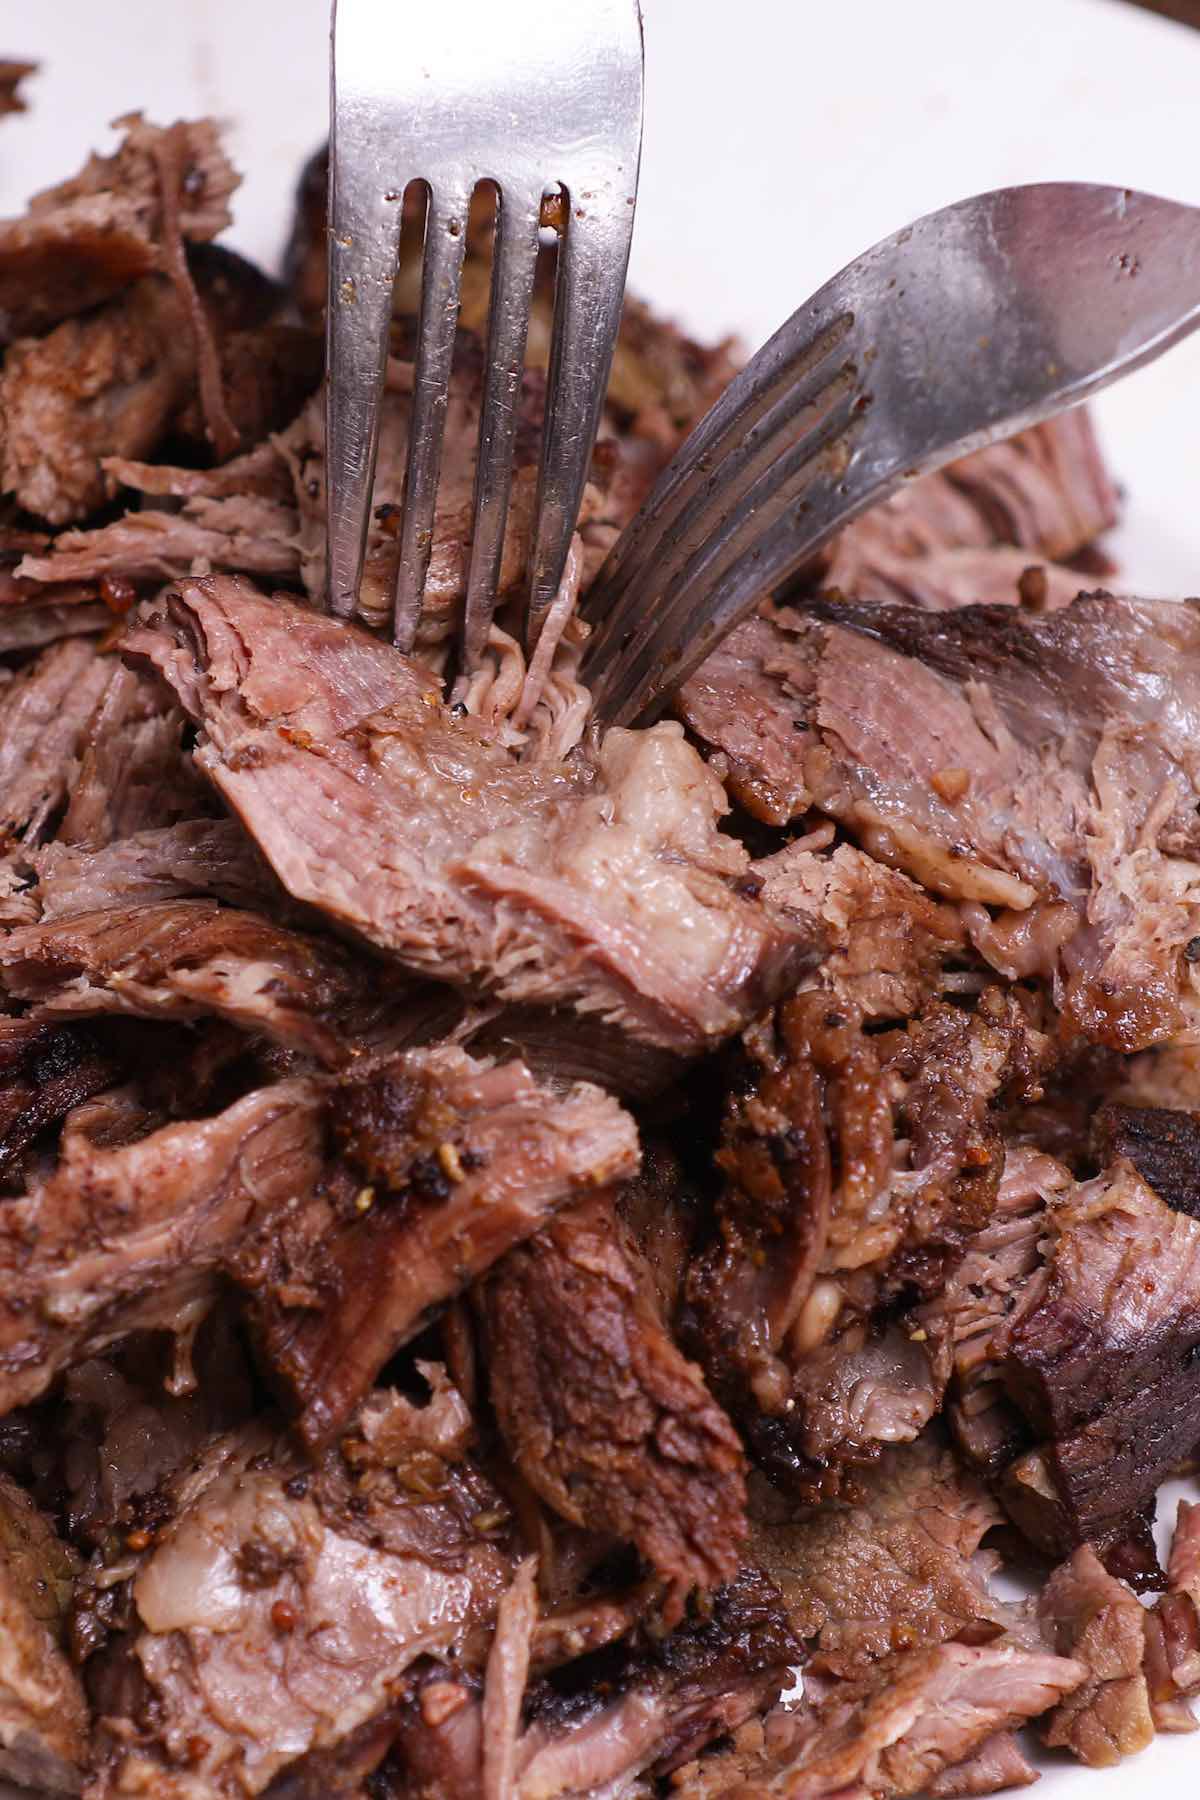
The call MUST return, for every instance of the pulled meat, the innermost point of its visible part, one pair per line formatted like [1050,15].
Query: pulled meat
[1086,1613]
[605,886]
[280,1606]
[443,1164]
[602,1414]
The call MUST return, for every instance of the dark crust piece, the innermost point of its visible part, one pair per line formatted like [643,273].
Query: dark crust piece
[602,1414]
[1162,1143]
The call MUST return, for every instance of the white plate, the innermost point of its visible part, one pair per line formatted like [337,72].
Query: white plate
[781,139]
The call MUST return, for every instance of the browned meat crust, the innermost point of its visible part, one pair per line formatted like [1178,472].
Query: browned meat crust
[445,1163]
[602,1414]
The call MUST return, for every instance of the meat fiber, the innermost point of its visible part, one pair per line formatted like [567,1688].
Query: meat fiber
[281,1607]
[605,886]
[86,239]
[190,959]
[445,1163]
[602,1414]
[44,713]
[131,1238]
[1087,1614]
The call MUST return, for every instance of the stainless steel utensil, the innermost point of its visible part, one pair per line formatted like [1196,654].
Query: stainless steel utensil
[978,320]
[532,95]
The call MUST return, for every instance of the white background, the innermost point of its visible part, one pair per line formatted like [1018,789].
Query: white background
[782,138]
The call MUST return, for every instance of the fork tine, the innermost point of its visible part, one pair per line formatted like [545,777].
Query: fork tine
[759,464]
[784,376]
[764,541]
[441,275]
[364,241]
[513,268]
[589,289]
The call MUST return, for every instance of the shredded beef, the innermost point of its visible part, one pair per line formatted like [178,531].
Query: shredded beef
[602,1414]
[114,1240]
[279,1607]
[606,886]
[443,1164]
[86,239]
[1087,1614]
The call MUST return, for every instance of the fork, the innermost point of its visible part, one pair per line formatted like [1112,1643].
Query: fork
[536,97]
[979,320]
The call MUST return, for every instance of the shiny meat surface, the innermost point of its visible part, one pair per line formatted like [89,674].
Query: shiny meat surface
[608,886]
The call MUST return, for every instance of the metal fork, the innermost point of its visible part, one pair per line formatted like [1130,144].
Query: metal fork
[532,95]
[980,319]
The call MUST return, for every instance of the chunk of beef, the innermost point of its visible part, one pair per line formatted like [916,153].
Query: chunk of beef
[1089,1615]
[110,383]
[997,1765]
[445,1163]
[898,1728]
[44,712]
[104,384]
[44,1727]
[858,1168]
[606,886]
[1172,1626]
[85,239]
[192,959]
[955,537]
[45,1071]
[964,1322]
[280,1607]
[998,575]
[1099,1356]
[889,940]
[897,1569]
[133,774]
[1046,489]
[603,1416]
[116,1240]
[1162,1143]
[253,535]
[196,856]
[652,1709]
[1023,761]
[12,74]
